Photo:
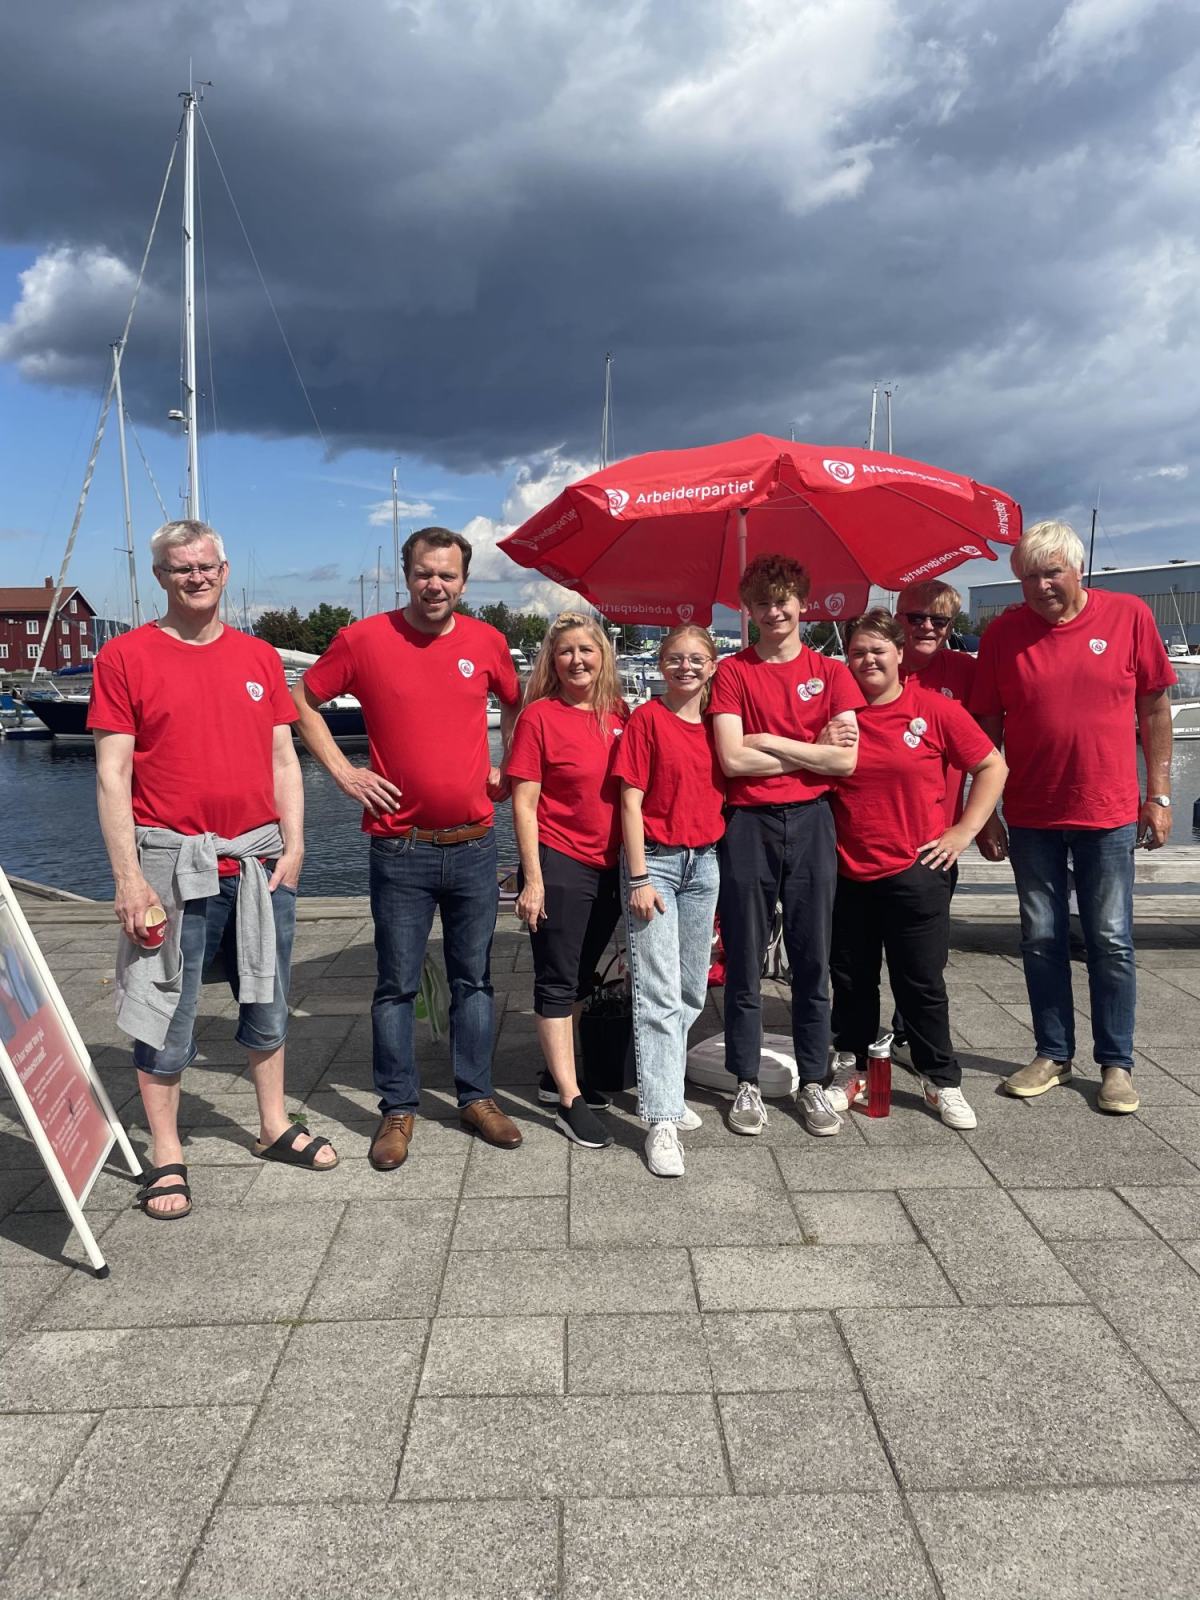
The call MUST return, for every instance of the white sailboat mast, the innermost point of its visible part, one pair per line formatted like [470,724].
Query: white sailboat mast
[134,602]
[189,305]
[396,536]
[606,440]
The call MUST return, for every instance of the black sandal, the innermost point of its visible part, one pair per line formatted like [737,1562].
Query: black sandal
[284,1149]
[173,1169]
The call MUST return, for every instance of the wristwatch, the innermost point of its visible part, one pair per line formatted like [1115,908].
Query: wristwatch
[1160,800]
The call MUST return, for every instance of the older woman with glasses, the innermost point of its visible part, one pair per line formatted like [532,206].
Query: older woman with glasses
[895,854]
[565,797]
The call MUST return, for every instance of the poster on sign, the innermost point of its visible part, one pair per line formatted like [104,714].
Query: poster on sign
[47,1070]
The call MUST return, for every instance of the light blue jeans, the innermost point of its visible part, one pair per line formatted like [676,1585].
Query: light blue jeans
[669,958]
[1103,862]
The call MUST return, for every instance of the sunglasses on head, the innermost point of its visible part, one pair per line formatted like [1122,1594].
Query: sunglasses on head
[916,618]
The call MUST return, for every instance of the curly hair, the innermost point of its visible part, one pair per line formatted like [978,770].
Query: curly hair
[773,577]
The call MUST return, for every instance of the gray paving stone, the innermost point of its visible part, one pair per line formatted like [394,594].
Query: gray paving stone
[114,1191]
[223,1265]
[1111,1270]
[987,1248]
[333,1423]
[525,1282]
[727,1197]
[966,1398]
[191,1451]
[426,1177]
[98,1369]
[539,1167]
[495,1223]
[800,1546]
[14,1530]
[791,1442]
[1173,1212]
[1065,1543]
[569,1448]
[15,1185]
[822,1165]
[35,1452]
[765,1351]
[46,1242]
[819,1277]
[327,1552]
[636,1355]
[911,1121]
[24,1290]
[494,1355]
[1051,1151]
[873,1218]
[386,1261]
[1083,1213]
[83,1554]
[1179,1126]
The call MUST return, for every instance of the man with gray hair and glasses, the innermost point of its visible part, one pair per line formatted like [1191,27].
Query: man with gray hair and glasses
[1060,681]
[202,810]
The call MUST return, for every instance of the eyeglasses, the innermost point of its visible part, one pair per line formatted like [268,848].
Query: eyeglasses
[686,661]
[205,569]
[916,618]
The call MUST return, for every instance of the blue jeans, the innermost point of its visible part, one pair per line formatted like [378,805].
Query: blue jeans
[410,880]
[669,958]
[1103,863]
[209,926]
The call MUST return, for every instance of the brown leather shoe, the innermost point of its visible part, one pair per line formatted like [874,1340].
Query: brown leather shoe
[485,1118]
[389,1147]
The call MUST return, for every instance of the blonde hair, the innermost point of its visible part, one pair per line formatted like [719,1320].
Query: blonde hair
[1042,542]
[543,680]
[705,638]
[941,598]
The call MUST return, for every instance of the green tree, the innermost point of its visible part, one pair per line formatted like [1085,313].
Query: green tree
[533,631]
[497,615]
[286,630]
[322,623]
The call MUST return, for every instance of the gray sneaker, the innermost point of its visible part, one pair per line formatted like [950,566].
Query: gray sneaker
[1041,1074]
[748,1115]
[818,1115]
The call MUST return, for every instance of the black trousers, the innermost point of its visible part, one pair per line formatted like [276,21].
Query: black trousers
[906,918]
[583,906]
[898,1027]
[777,855]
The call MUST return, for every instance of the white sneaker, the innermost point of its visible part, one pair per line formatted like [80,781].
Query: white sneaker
[664,1153]
[844,1068]
[748,1115]
[950,1105]
[690,1120]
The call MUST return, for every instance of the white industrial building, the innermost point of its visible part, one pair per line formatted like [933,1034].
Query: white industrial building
[1172,591]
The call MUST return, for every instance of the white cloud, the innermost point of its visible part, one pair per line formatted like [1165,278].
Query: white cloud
[70,298]
[1178,472]
[380,514]
[1092,32]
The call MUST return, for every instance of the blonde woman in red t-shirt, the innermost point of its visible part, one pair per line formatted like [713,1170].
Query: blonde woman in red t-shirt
[672,795]
[565,815]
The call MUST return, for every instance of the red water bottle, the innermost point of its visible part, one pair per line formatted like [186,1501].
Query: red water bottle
[879,1077]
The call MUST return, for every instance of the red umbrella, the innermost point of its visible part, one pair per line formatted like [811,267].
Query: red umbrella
[664,537]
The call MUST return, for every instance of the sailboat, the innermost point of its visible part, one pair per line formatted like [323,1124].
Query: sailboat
[65,713]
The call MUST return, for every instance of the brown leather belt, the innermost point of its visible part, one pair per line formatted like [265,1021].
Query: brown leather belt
[463,834]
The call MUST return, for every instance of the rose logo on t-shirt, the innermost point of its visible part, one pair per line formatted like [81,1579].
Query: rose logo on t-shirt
[467,668]
[912,740]
[802,691]
[1099,646]
[254,690]
[949,693]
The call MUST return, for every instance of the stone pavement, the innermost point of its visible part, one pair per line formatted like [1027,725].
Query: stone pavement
[903,1362]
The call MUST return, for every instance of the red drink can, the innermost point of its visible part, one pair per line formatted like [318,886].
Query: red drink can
[156,928]
[879,1077]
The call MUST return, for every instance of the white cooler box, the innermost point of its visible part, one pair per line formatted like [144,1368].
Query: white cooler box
[777,1075]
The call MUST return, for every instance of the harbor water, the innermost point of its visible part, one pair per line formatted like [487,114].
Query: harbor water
[49,831]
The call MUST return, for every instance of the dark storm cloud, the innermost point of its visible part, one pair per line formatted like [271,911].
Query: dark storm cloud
[760,208]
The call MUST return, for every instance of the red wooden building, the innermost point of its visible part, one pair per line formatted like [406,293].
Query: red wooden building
[23,614]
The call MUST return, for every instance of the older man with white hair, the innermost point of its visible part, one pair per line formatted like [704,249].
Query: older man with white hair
[1060,680]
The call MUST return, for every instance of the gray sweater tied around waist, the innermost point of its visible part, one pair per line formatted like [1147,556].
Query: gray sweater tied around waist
[180,867]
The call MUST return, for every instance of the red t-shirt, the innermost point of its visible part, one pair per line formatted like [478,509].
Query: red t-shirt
[1067,693]
[566,751]
[794,699]
[674,763]
[203,720]
[424,701]
[950,673]
[894,801]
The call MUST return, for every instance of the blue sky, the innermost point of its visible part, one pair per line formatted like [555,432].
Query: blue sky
[459,209]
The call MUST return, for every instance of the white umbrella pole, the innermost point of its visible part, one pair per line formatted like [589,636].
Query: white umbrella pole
[741,516]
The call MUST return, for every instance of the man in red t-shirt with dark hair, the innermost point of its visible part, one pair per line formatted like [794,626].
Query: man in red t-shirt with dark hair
[202,810]
[1061,680]
[423,676]
[778,846]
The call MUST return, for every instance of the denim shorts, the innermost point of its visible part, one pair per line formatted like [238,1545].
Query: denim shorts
[209,929]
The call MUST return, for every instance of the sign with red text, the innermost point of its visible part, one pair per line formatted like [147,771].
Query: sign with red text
[49,1073]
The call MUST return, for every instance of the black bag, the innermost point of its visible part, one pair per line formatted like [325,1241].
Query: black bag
[606,1034]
